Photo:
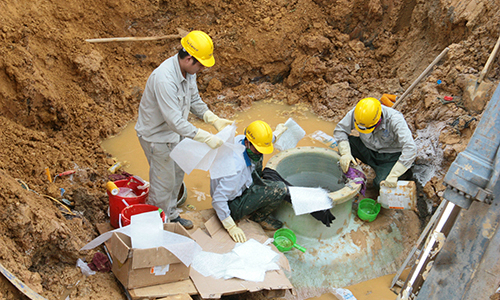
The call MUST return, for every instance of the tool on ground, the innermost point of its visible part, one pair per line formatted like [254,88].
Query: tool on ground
[477,87]
[181,33]
[285,240]
[66,173]
[368,209]
[424,73]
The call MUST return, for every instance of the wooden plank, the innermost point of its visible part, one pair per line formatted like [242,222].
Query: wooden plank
[177,297]
[21,286]
[165,290]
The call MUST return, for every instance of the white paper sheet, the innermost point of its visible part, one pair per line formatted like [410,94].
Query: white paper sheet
[184,248]
[190,155]
[290,137]
[307,200]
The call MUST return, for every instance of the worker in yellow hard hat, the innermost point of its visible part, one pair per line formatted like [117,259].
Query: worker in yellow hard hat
[385,142]
[171,93]
[246,193]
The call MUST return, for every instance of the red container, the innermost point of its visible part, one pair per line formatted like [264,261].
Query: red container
[129,194]
[136,209]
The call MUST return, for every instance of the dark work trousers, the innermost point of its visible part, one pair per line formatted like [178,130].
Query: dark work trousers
[381,163]
[259,200]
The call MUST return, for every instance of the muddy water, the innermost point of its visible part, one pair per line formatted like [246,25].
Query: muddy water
[125,148]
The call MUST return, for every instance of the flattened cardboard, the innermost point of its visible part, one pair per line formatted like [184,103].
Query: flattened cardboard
[164,290]
[133,267]
[220,242]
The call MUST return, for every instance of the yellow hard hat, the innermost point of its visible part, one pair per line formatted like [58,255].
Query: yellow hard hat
[367,114]
[199,45]
[259,133]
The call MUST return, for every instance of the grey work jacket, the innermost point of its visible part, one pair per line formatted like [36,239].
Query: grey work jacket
[166,102]
[391,136]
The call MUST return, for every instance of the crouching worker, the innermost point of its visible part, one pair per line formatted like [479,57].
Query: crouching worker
[246,193]
[385,142]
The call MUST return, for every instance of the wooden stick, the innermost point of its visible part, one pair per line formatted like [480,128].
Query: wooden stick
[181,33]
[133,39]
[490,60]
[436,60]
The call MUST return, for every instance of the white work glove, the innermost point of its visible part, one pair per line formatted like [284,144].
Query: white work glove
[280,129]
[345,156]
[234,231]
[392,179]
[206,137]
[219,124]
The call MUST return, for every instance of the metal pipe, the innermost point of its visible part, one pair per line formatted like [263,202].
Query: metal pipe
[433,245]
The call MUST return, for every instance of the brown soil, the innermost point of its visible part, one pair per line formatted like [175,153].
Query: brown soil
[60,95]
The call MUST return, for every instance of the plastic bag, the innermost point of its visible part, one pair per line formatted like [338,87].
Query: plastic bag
[84,267]
[343,294]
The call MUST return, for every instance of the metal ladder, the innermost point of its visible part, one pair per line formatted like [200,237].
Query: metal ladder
[417,248]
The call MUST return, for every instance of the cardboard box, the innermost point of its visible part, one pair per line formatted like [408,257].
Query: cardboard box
[136,268]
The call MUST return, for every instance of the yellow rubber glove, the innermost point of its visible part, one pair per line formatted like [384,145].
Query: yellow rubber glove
[345,156]
[388,99]
[280,129]
[392,179]
[211,140]
[234,231]
[219,124]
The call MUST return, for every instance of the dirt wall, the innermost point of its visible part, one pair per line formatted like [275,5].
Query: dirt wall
[60,95]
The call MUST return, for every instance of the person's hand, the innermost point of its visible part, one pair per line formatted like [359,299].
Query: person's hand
[234,231]
[211,140]
[280,129]
[392,179]
[325,216]
[388,99]
[219,123]
[345,156]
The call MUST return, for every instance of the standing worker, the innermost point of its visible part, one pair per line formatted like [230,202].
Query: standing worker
[246,193]
[385,142]
[171,92]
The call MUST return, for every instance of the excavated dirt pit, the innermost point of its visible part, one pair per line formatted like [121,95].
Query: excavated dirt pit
[60,96]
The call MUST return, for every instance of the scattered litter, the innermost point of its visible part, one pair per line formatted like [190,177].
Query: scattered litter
[462,122]
[343,294]
[84,267]
[449,99]
[65,173]
[191,207]
[326,139]
[200,196]
[100,262]
[47,172]
[115,167]
[430,154]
